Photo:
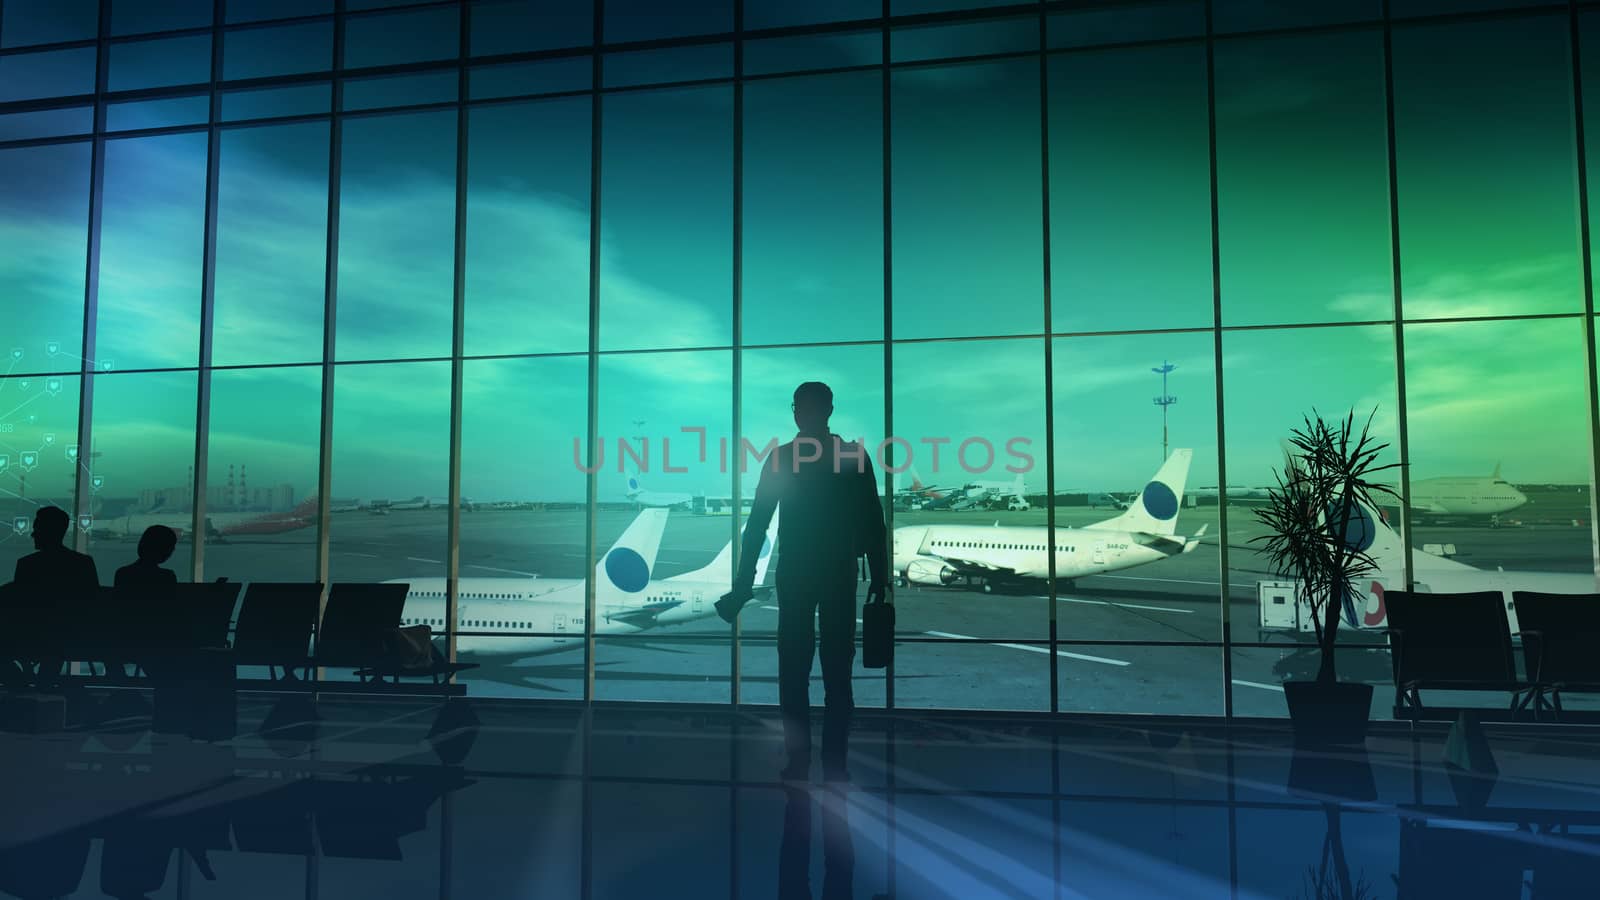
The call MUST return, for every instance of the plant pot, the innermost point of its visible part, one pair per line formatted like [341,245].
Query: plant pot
[1328,714]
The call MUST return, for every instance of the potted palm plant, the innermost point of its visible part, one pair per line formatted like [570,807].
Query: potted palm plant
[1319,521]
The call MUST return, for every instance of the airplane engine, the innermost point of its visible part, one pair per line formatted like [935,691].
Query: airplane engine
[928,570]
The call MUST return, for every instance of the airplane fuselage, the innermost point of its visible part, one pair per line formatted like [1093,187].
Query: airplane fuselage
[533,616]
[1465,496]
[921,551]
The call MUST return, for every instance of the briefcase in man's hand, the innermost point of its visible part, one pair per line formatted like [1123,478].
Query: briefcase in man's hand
[877,630]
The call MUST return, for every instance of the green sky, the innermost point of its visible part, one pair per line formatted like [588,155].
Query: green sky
[1487,223]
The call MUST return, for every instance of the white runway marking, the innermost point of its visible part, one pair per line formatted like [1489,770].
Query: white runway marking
[1170,609]
[1257,684]
[1032,649]
[507,571]
[420,559]
[1166,580]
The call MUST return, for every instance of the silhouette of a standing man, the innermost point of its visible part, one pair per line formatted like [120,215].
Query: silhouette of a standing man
[831,516]
[54,574]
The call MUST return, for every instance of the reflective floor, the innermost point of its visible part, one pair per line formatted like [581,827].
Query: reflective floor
[387,798]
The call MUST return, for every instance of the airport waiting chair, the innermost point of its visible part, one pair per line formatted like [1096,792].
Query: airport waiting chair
[275,626]
[355,622]
[359,631]
[208,608]
[154,627]
[1457,642]
[101,631]
[48,628]
[1560,636]
[150,624]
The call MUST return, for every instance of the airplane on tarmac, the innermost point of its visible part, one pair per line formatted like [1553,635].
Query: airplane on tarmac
[220,525]
[1236,493]
[992,493]
[550,613]
[1438,575]
[1441,497]
[644,498]
[917,493]
[973,494]
[1369,532]
[1144,533]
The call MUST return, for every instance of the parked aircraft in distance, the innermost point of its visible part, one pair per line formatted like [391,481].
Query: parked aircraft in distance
[1436,574]
[1236,492]
[533,616]
[916,495]
[1144,533]
[992,493]
[1465,496]
[645,498]
[219,525]
[1369,532]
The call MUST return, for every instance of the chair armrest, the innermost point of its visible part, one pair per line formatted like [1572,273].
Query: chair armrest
[1535,638]
[1396,650]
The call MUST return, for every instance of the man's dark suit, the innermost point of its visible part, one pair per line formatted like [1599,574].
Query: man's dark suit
[831,516]
[54,581]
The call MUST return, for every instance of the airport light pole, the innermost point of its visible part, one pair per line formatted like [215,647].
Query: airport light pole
[1164,401]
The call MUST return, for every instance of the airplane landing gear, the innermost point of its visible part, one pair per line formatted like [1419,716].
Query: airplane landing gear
[988,585]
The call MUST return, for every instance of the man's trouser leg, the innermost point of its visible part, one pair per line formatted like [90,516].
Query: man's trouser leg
[837,617]
[797,641]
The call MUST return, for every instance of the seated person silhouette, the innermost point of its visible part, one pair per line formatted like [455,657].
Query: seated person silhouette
[146,573]
[52,580]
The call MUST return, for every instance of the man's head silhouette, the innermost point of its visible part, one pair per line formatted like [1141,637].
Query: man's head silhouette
[156,544]
[49,527]
[813,404]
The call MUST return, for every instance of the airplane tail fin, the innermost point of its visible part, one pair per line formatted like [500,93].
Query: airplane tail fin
[720,569]
[1154,510]
[1496,475]
[626,567]
[767,546]
[1019,488]
[909,482]
[922,489]
[1370,532]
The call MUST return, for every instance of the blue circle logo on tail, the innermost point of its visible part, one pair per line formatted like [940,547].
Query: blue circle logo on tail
[627,570]
[1360,531]
[633,484]
[1159,501]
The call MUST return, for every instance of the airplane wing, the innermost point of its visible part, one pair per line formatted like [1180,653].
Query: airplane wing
[1432,508]
[1169,544]
[643,616]
[975,566]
